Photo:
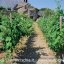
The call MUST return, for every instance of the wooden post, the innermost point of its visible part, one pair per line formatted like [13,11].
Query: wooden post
[60,23]
[10,17]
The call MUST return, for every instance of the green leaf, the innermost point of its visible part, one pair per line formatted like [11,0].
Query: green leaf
[1,36]
[8,39]
[8,45]
[2,27]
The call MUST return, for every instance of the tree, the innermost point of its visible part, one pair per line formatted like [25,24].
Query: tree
[46,12]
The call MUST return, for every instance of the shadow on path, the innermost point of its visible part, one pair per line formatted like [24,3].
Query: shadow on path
[29,52]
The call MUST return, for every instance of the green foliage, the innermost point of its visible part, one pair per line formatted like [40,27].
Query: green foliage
[11,31]
[46,12]
[51,28]
[2,61]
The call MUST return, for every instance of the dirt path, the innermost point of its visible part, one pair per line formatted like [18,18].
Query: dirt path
[37,50]
[44,51]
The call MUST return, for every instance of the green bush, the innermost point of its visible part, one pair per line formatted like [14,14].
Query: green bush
[11,31]
[51,28]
